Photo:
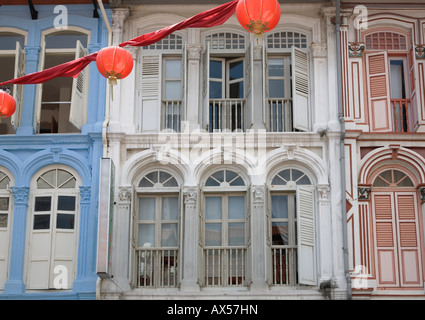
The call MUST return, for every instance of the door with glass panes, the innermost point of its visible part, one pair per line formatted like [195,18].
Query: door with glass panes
[53,230]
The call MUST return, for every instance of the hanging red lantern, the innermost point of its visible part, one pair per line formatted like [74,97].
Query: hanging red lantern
[7,104]
[114,63]
[258,16]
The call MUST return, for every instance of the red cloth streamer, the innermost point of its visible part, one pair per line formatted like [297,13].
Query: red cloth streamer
[210,18]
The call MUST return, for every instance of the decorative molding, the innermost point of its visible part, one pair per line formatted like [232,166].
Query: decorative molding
[258,195]
[194,52]
[324,192]
[125,194]
[32,53]
[20,195]
[290,149]
[319,50]
[190,195]
[420,51]
[363,192]
[422,193]
[355,49]
[85,194]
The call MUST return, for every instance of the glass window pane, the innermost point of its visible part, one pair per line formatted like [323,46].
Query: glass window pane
[216,69]
[304,181]
[63,176]
[211,183]
[4,183]
[146,236]
[163,176]
[216,90]
[65,40]
[170,208]
[213,234]
[169,235]
[146,208]
[173,69]
[41,184]
[397,79]
[279,233]
[276,88]
[42,203]
[275,67]
[236,70]
[237,234]
[153,176]
[145,183]
[236,207]
[70,184]
[66,203]
[236,90]
[173,90]
[237,182]
[219,175]
[65,221]
[213,208]
[41,221]
[4,204]
[171,183]
[280,207]
[8,40]
[3,220]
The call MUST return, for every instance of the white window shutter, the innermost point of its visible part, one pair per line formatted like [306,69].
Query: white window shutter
[78,110]
[269,258]
[18,90]
[151,92]
[185,75]
[301,89]
[206,84]
[249,62]
[201,241]
[306,235]
[378,87]
[266,111]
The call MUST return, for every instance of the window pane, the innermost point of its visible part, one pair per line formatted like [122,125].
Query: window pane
[211,183]
[173,90]
[216,70]
[236,70]
[66,203]
[173,69]
[170,208]
[279,233]
[146,235]
[8,41]
[275,67]
[236,207]
[4,204]
[236,90]
[237,234]
[63,176]
[65,221]
[42,203]
[279,207]
[276,89]
[65,40]
[213,208]
[41,221]
[216,90]
[397,79]
[4,183]
[213,234]
[3,220]
[169,235]
[147,209]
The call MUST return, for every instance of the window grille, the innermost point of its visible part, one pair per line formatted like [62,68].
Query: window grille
[386,41]
[170,42]
[286,39]
[226,40]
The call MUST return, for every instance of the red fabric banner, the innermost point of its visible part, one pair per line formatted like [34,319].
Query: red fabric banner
[210,18]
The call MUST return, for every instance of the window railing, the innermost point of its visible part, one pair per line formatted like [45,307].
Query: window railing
[284,265]
[401,119]
[157,268]
[226,114]
[279,115]
[225,267]
[171,115]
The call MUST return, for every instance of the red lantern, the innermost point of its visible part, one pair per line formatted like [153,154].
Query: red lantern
[114,63]
[258,16]
[7,104]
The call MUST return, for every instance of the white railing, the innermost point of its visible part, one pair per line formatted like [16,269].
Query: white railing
[225,267]
[279,115]
[171,114]
[226,114]
[157,268]
[284,265]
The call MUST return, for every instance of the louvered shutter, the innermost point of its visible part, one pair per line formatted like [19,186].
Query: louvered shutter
[269,259]
[385,237]
[151,89]
[301,89]
[306,235]
[18,90]
[408,240]
[206,84]
[78,110]
[378,86]
[249,62]
[413,110]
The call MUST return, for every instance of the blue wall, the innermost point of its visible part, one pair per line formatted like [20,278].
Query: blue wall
[25,153]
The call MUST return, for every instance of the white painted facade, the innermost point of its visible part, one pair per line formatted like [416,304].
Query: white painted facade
[273,197]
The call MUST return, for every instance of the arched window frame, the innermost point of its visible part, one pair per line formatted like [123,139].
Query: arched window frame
[6,207]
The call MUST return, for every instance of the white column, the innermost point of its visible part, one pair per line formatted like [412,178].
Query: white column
[320,83]
[325,236]
[192,97]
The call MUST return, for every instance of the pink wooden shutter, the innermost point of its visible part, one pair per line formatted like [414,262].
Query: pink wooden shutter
[386,253]
[378,86]
[413,109]
[409,250]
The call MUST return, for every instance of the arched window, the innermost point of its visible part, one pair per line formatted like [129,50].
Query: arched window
[392,178]
[386,41]
[157,230]
[53,229]
[291,228]
[224,228]
[5,222]
[286,40]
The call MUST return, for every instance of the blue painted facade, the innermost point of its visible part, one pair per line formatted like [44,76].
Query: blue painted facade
[25,153]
